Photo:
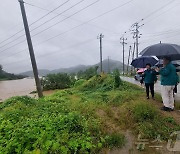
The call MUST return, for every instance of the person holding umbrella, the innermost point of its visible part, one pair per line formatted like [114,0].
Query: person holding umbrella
[149,75]
[149,79]
[168,81]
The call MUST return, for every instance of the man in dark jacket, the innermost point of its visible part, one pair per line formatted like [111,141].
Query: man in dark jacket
[149,79]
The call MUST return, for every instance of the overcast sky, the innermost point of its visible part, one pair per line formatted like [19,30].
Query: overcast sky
[79,45]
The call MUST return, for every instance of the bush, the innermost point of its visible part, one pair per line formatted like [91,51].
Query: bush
[18,99]
[56,81]
[99,82]
[48,127]
[79,82]
[88,73]
[117,80]
[144,111]
[115,140]
[150,123]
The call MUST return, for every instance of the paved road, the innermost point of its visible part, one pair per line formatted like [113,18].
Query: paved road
[157,86]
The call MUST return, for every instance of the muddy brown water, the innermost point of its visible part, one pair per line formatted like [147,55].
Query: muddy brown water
[16,88]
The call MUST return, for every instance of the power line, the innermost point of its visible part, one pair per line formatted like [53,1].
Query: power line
[161,14]
[34,22]
[47,22]
[111,10]
[78,20]
[54,52]
[65,18]
[154,12]
[58,15]
[76,13]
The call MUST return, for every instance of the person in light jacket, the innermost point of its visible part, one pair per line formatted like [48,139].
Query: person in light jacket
[168,81]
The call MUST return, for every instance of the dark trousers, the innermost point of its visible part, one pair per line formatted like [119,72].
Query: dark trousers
[151,87]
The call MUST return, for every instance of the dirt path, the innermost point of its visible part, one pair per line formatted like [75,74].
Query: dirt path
[110,122]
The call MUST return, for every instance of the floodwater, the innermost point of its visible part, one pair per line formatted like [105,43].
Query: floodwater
[16,88]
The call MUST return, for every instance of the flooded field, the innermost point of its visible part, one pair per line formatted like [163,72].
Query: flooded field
[16,88]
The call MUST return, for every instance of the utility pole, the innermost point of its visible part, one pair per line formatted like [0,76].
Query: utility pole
[100,37]
[129,58]
[122,39]
[108,65]
[31,50]
[133,51]
[136,36]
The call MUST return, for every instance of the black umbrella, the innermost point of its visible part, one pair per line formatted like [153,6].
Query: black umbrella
[161,50]
[160,63]
[177,70]
[143,60]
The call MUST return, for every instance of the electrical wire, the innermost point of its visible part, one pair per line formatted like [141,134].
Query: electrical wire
[42,25]
[41,56]
[157,10]
[34,22]
[109,11]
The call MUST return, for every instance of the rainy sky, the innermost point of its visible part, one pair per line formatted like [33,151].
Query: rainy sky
[64,32]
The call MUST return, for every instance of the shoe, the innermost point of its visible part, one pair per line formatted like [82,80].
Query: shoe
[147,97]
[153,98]
[166,109]
[171,109]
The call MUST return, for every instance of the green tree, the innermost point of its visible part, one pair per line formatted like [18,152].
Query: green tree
[56,81]
[1,68]
[88,73]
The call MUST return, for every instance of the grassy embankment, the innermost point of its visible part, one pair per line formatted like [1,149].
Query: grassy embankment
[84,119]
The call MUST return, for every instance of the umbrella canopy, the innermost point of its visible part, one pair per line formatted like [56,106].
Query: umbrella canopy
[160,63]
[161,50]
[142,61]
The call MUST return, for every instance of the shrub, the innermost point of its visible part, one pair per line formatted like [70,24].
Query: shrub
[151,123]
[144,112]
[18,99]
[88,73]
[99,82]
[46,130]
[115,140]
[117,80]
[79,82]
[56,81]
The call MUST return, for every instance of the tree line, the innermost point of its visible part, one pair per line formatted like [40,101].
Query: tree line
[9,76]
[64,80]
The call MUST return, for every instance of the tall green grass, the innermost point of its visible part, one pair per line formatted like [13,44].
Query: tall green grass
[69,120]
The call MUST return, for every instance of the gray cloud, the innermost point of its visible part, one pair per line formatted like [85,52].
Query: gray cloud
[80,45]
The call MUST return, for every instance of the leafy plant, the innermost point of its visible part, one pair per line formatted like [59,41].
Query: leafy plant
[56,81]
[117,80]
[115,140]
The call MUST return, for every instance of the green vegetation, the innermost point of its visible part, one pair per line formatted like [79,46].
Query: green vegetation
[8,76]
[84,119]
[151,123]
[88,73]
[57,81]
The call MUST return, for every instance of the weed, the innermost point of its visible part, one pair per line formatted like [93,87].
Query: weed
[115,140]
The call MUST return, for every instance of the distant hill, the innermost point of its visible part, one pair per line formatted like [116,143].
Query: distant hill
[42,72]
[113,64]
[9,76]
[74,69]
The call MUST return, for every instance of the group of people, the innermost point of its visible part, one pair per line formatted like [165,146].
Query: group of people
[169,81]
